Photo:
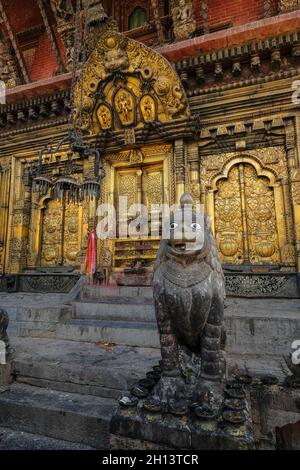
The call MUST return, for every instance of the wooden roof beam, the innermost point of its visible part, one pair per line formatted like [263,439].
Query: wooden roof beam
[14,43]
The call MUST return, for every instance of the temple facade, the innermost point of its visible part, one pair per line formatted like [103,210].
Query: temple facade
[169,96]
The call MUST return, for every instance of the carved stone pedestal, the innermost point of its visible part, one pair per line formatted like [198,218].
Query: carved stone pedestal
[5,374]
[136,429]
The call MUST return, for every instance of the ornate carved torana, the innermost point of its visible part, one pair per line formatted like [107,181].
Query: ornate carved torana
[127,85]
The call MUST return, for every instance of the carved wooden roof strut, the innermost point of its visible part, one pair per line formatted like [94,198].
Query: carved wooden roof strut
[158,24]
[267,8]
[204,12]
[13,41]
[52,37]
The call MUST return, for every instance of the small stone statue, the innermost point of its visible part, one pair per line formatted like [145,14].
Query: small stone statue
[4,320]
[294,379]
[189,298]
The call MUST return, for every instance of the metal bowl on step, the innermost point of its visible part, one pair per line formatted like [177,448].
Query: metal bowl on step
[149,384]
[234,404]
[152,406]
[269,380]
[128,402]
[234,417]
[205,412]
[153,376]
[139,391]
[244,379]
[233,384]
[238,393]
[178,407]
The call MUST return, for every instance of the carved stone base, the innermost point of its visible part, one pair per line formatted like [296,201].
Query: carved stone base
[136,429]
[6,377]
[131,278]
[279,285]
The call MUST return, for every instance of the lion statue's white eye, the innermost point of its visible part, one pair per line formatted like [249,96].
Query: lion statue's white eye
[195,226]
[173,226]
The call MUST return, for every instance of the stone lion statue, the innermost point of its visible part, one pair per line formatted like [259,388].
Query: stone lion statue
[189,298]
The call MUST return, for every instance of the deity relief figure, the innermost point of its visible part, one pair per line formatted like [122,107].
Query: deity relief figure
[125,107]
[148,108]
[183,18]
[104,117]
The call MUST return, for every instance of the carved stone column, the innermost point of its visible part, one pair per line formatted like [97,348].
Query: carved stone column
[183,18]
[4,208]
[20,220]
[179,153]
[293,156]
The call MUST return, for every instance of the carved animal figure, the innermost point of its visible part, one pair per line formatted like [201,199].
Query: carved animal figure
[189,293]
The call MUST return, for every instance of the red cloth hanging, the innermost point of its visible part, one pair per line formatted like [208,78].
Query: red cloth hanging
[90,260]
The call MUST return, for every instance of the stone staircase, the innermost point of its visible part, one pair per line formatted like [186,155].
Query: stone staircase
[71,363]
[73,358]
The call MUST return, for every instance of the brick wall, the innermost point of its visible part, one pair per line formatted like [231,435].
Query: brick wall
[44,63]
[23,14]
[234,12]
[41,63]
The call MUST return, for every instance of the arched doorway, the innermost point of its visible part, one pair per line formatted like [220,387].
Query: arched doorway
[245,217]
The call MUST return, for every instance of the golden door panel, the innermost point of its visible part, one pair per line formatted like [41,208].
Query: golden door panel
[245,221]
[60,234]
[261,218]
[228,219]
[52,234]
[72,229]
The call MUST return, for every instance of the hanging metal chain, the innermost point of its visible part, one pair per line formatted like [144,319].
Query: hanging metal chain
[75,60]
[84,59]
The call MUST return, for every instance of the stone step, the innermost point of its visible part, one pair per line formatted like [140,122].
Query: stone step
[116,308]
[136,334]
[96,292]
[258,365]
[32,329]
[19,440]
[76,418]
[84,368]
[40,313]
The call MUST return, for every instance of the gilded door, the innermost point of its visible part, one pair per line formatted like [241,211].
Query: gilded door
[245,219]
[61,228]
